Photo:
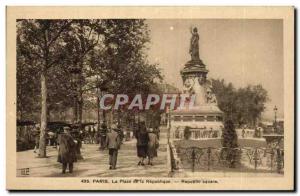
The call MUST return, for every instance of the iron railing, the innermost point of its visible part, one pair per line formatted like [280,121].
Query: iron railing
[246,159]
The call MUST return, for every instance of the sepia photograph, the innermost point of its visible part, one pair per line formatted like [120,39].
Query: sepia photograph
[181,101]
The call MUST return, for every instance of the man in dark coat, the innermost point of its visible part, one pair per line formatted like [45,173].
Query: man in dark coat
[77,135]
[67,150]
[120,132]
[102,136]
[113,144]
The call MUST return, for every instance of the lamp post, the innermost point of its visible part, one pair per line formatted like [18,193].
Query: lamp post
[275,118]
[75,79]
[101,88]
[98,107]
[75,71]
[279,155]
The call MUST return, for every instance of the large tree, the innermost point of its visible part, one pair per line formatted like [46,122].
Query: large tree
[121,62]
[242,105]
[107,55]
[82,39]
[28,90]
[42,40]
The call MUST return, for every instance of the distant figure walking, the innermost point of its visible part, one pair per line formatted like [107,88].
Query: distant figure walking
[113,143]
[120,132]
[67,150]
[157,131]
[102,136]
[153,145]
[36,134]
[142,142]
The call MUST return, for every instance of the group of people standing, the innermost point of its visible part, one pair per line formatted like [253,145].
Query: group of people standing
[147,145]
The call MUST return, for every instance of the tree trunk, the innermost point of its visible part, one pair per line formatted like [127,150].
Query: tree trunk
[80,112]
[75,114]
[42,143]
[104,116]
[80,108]
[98,111]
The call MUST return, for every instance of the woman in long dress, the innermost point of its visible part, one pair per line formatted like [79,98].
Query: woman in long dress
[152,146]
[142,143]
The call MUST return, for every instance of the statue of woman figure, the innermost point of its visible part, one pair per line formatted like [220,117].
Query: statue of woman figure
[188,86]
[194,46]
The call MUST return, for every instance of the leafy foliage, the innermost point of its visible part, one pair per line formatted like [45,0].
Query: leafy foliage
[243,105]
[28,90]
[229,141]
[110,55]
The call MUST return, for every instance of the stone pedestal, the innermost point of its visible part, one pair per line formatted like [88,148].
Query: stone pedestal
[205,119]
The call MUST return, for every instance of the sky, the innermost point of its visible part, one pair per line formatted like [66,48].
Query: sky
[240,51]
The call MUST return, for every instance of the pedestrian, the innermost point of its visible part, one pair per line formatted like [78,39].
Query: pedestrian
[102,136]
[142,142]
[93,135]
[89,135]
[36,135]
[120,132]
[51,138]
[66,150]
[113,144]
[153,145]
[127,135]
[243,133]
[157,131]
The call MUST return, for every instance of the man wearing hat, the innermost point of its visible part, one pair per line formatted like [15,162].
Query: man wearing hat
[120,132]
[102,136]
[66,150]
[113,144]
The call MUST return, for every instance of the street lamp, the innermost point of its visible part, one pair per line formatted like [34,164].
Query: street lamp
[275,118]
[75,73]
[101,88]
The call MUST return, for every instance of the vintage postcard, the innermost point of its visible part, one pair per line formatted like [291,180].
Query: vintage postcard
[150,98]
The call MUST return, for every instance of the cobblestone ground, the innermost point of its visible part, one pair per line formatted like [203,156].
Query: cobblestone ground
[95,163]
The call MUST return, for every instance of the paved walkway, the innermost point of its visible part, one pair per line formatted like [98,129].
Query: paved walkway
[95,163]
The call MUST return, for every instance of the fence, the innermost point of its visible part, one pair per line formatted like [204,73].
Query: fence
[241,159]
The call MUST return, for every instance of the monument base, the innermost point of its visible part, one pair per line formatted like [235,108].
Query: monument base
[194,63]
[204,122]
[194,69]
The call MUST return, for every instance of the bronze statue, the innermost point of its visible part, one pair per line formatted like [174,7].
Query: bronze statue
[194,45]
